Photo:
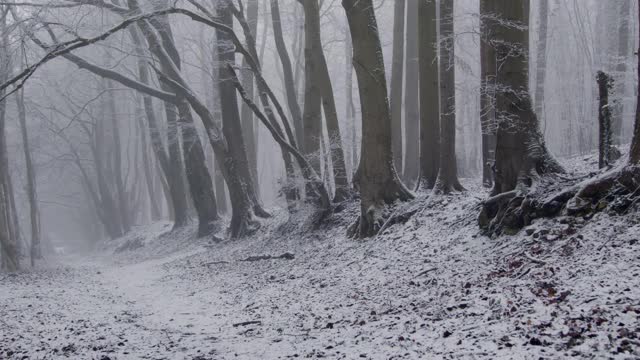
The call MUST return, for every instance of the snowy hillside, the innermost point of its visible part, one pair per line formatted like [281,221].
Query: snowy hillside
[431,288]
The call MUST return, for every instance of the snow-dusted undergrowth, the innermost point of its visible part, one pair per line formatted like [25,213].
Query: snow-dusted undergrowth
[429,289]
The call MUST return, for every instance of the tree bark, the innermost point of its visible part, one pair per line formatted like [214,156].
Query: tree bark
[605,84]
[429,95]
[378,180]
[487,91]
[412,98]
[447,180]
[197,174]
[397,71]
[246,115]
[521,153]
[312,116]
[634,152]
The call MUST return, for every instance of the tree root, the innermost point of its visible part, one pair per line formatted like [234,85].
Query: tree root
[617,190]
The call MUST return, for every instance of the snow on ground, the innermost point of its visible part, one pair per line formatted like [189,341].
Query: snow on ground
[432,288]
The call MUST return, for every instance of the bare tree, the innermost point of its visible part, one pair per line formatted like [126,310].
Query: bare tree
[411,168]
[397,71]
[634,153]
[488,64]
[429,95]
[320,75]
[378,181]
[447,180]
[520,149]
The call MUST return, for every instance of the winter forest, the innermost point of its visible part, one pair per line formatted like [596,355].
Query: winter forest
[275,179]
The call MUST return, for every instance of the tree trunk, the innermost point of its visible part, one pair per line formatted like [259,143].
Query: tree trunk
[35,251]
[350,105]
[634,152]
[379,182]
[487,91]
[321,77]
[397,70]
[290,87]
[521,153]
[621,71]
[605,84]
[541,58]
[429,95]
[197,174]
[246,115]
[148,165]
[412,98]
[168,164]
[447,180]
[312,116]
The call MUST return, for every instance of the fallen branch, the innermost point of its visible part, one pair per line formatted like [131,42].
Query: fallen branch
[285,256]
[245,323]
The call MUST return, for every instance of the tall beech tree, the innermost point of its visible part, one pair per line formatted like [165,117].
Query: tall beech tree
[397,71]
[487,90]
[429,94]
[319,74]
[521,153]
[378,181]
[447,180]
[411,168]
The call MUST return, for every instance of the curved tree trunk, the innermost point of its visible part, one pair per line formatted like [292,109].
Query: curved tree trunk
[379,182]
[197,174]
[447,180]
[412,98]
[289,83]
[429,95]
[397,71]
[521,153]
[321,77]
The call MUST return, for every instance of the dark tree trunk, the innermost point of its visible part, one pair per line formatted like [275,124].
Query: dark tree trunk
[246,114]
[605,84]
[397,70]
[447,180]
[197,174]
[168,163]
[634,152]
[312,116]
[412,98]
[429,95]
[521,153]
[378,180]
[487,92]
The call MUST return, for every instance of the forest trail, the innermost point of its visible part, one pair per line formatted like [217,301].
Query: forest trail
[432,288]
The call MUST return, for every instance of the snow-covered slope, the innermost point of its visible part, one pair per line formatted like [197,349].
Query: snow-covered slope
[429,289]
